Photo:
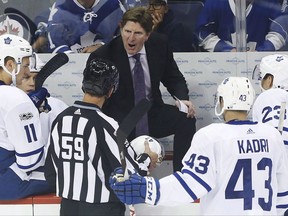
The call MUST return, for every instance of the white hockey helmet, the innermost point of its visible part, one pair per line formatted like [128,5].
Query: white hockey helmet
[15,47]
[275,65]
[155,146]
[237,94]
[36,64]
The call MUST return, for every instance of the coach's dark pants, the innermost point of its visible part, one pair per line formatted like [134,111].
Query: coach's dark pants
[73,208]
[165,120]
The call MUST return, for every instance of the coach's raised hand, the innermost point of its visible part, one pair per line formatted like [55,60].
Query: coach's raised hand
[39,98]
[136,189]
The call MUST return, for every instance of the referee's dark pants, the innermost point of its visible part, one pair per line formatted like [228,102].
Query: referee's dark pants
[76,208]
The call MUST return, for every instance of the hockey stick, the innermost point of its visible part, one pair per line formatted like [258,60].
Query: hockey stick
[281,117]
[127,125]
[52,65]
[125,128]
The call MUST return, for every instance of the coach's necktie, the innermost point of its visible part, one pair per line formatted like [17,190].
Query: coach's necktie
[139,93]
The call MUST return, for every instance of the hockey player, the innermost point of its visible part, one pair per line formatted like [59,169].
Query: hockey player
[273,77]
[237,168]
[26,82]
[82,26]
[83,150]
[216,28]
[21,143]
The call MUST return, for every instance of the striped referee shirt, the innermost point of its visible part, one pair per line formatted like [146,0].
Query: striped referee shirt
[82,154]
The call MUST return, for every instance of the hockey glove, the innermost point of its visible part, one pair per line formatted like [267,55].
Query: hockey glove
[39,98]
[136,189]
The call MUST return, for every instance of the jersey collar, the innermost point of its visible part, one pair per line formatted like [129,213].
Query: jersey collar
[240,122]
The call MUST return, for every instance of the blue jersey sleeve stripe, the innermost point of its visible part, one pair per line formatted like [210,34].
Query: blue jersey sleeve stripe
[30,153]
[203,183]
[31,165]
[282,194]
[185,186]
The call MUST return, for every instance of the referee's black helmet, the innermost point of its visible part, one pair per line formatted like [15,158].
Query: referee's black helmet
[99,77]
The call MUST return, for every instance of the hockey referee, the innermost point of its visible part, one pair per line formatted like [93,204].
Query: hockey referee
[83,150]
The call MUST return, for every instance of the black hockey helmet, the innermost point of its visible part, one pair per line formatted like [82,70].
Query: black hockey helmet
[99,76]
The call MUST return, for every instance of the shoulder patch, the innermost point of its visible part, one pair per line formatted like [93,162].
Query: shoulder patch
[26,116]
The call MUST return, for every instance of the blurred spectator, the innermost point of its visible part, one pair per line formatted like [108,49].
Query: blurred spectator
[180,37]
[283,19]
[81,26]
[134,3]
[40,44]
[285,6]
[216,26]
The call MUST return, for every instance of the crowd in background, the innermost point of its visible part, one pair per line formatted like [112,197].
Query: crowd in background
[191,26]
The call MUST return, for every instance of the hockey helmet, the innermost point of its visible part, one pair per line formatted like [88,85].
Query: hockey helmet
[15,47]
[99,76]
[36,64]
[237,94]
[155,146]
[275,65]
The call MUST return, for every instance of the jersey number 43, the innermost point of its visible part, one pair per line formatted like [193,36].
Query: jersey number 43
[244,167]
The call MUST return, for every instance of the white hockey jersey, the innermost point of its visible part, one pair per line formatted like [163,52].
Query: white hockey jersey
[236,168]
[21,141]
[266,109]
